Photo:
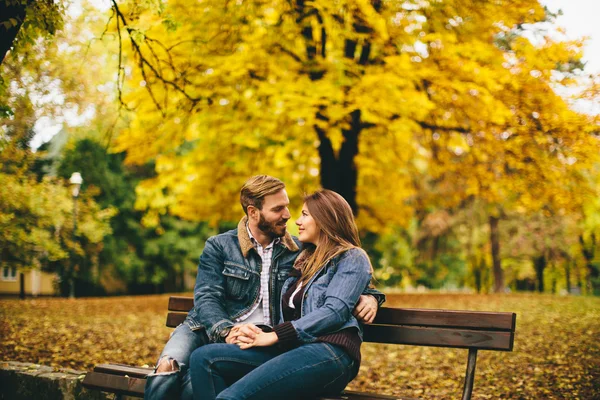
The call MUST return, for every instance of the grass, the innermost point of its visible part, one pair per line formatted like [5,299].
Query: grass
[556,353]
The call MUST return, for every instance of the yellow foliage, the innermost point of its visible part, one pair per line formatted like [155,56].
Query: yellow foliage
[454,102]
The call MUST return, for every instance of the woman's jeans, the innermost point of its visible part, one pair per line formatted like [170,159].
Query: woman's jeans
[176,384]
[224,371]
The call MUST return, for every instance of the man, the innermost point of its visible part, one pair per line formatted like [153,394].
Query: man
[238,286]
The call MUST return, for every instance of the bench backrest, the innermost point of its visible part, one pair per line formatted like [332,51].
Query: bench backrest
[419,327]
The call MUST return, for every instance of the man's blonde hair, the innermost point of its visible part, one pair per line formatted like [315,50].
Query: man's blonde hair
[257,188]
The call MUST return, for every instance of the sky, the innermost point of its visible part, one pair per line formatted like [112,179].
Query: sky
[581,18]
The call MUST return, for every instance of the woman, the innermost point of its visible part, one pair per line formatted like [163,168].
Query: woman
[315,350]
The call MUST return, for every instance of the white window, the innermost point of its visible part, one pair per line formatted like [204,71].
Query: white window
[9,274]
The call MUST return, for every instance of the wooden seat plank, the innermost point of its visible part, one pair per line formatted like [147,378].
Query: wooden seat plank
[420,336]
[503,321]
[174,319]
[351,395]
[135,387]
[115,384]
[439,337]
[181,303]
[122,369]
[413,316]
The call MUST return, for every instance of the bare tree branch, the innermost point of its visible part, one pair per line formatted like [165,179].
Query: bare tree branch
[145,64]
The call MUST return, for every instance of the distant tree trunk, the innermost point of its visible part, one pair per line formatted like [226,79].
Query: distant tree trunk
[478,272]
[13,12]
[592,276]
[435,248]
[568,275]
[21,285]
[539,264]
[553,275]
[496,262]
[478,281]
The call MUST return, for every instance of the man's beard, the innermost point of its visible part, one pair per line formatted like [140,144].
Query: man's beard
[273,229]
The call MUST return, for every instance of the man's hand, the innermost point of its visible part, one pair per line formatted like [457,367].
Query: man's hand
[263,339]
[242,333]
[366,309]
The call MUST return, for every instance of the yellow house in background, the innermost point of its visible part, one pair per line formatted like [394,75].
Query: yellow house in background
[37,283]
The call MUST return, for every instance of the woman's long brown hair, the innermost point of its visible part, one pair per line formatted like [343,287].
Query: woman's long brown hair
[337,230]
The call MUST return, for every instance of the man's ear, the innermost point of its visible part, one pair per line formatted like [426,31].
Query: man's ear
[253,213]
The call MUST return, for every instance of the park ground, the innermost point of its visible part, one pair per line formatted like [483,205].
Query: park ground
[556,353]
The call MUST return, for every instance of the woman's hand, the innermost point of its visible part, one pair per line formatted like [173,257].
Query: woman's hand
[242,333]
[262,339]
[366,309]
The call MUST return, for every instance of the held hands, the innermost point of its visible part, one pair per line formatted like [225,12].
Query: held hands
[366,309]
[263,339]
[249,335]
[245,331]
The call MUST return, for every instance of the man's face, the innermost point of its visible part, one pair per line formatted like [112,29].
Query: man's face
[274,214]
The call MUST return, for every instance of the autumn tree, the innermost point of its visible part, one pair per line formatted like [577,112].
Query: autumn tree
[402,107]
[36,209]
[23,21]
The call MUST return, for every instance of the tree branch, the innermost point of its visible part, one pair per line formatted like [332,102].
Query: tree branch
[144,62]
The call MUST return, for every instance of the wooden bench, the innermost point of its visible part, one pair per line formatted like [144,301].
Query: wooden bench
[472,330]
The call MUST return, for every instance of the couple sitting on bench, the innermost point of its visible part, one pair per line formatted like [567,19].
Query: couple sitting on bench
[272,321]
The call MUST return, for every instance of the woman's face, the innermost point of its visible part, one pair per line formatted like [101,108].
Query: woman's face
[307,227]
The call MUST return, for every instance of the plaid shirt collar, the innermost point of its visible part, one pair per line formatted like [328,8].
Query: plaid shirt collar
[255,242]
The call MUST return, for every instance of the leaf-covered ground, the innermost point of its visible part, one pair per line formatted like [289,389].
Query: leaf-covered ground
[556,354]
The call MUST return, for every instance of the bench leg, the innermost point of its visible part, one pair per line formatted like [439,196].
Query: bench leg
[470,376]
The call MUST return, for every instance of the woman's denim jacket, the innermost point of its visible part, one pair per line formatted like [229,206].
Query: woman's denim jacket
[330,296]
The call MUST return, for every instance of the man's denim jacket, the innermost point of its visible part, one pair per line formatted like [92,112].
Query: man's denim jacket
[228,280]
[331,295]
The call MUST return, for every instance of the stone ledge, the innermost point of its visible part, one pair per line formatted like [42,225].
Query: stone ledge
[24,381]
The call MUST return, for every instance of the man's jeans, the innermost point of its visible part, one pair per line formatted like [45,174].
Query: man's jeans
[224,371]
[176,384]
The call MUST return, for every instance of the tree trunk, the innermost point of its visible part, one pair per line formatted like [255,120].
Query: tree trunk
[22,286]
[568,275]
[13,12]
[592,278]
[540,265]
[478,272]
[496,262]
[553,275]
[339,173]
[578,277]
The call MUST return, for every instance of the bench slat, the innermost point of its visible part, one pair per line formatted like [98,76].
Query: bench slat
[181,303]
[502,321]
[175,318]
[122,369]
[115,384]
[505,321]
[420,336]
[351,395]
[439,337]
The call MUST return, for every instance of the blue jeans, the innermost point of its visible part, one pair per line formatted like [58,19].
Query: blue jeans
[224,371]
[176,384]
